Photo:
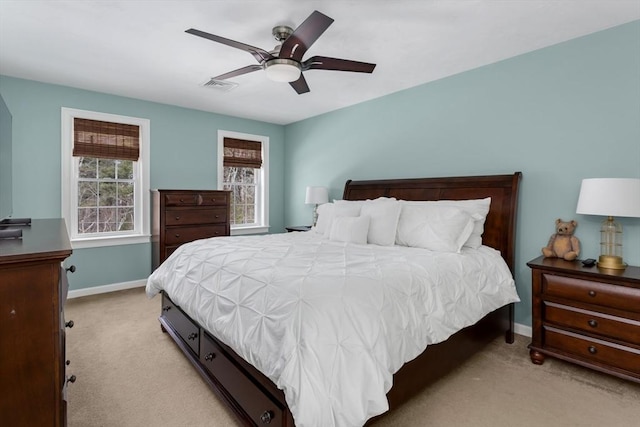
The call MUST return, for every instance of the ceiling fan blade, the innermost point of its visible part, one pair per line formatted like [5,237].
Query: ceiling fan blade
[238,72]
[337,64]
[300,85]
[295,46]
[261,55]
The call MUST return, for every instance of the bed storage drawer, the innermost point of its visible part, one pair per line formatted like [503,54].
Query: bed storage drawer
[253,399]
[188,331]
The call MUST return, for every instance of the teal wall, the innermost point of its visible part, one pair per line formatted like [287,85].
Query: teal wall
[560,114]
[183,155]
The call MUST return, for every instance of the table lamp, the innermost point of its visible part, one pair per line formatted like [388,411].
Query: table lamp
[610,197]
[316,196]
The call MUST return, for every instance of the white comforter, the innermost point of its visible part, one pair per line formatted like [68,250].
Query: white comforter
[328,322]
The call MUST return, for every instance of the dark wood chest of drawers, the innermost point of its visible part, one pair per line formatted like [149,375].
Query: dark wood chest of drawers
[33,290]
[588,316]
[182,216]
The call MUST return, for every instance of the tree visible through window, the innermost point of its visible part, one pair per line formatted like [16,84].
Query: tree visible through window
[106,189]
[242,182]
[241,175]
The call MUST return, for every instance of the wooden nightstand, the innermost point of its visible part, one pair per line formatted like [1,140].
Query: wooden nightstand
[298,228]
[587,316]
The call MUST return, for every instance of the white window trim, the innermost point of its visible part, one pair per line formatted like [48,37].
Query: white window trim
[142,198]
[263,195]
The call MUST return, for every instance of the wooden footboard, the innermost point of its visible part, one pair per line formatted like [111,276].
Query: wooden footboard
[258,402]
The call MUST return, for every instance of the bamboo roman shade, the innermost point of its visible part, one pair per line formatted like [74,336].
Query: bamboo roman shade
[107,140]
[241,153]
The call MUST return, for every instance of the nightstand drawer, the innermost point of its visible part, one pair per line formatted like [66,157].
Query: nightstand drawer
[178,235]
[195,216]
[598,293]
[596,323]
[594,350]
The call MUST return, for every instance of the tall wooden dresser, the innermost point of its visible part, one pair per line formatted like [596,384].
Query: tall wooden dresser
[33,289]
[181,216]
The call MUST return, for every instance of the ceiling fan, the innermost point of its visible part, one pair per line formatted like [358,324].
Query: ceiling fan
[284,63]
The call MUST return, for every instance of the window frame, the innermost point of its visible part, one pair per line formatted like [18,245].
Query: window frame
[70,164]
[262,215]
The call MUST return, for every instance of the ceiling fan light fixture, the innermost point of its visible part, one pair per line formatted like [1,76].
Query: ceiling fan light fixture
[283,70]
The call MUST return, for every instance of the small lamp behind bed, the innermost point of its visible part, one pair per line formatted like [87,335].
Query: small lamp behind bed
[316,196]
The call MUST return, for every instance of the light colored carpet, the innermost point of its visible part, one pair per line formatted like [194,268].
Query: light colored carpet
[131,374]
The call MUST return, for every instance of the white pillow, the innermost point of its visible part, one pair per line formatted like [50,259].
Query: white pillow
[340,211]
[350,229]
[384,221]
[325,215]
[477,208]
[435,227]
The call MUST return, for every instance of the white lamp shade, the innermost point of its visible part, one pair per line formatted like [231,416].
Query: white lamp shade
[610,197]
[316,195]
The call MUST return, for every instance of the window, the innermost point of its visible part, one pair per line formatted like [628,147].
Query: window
[105,178]
[243,170]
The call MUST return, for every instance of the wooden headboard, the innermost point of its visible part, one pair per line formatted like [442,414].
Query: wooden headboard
[500,226]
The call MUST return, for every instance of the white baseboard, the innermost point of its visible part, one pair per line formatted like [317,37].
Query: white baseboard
[95,290]
[521,329]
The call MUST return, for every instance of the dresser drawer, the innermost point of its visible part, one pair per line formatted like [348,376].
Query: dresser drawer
[598,293]
[217,198]
[195,216]
[594,350]
[596,323]
[188,331]
[202,198]
[251,397]
[178,235]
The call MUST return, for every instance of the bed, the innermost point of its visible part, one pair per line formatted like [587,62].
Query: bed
[252,395]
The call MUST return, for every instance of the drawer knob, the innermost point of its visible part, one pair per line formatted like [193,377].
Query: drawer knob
[209,357]
[71,379]
[593,323]
[592,349]
[192,336]
[266,417]
[71,269]
[181,200]
[177,235]
[592,293]
[166,308]
[69,324]
[177,218]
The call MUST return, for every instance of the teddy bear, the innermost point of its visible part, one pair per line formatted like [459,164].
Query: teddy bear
[563,244]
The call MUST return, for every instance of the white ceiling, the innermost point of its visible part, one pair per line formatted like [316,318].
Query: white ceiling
[139,48]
